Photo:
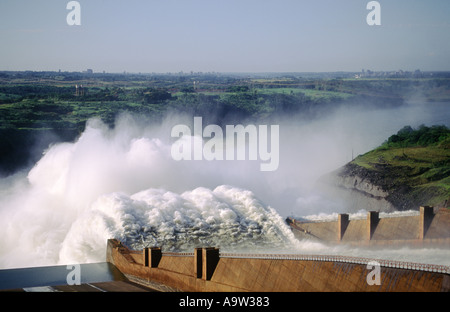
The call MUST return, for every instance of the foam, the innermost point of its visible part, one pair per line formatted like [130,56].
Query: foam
[226,217]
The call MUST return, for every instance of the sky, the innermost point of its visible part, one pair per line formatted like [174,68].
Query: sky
[224,36]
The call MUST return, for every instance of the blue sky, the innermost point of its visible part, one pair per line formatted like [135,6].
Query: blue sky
[224,36]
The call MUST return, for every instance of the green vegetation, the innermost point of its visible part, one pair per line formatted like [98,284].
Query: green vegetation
[423,136]
[54,105]
[415,161]
[32,103]
[38,100]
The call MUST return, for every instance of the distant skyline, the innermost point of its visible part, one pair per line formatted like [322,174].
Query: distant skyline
[224,36]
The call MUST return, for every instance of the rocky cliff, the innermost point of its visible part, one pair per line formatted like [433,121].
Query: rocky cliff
[357,188]
[393,178]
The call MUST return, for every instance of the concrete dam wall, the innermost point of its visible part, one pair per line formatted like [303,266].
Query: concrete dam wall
[429,228]
[206,269]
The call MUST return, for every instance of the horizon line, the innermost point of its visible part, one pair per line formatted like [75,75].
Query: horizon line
[182,72]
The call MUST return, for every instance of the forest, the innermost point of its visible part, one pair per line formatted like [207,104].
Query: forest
[422,136]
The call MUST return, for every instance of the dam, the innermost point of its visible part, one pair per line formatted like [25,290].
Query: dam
[427,229]
[208,269]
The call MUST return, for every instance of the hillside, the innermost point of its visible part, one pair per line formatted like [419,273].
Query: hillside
[411,169]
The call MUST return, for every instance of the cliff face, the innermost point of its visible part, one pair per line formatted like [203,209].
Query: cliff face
[361,180]
[384,188]
[357,188]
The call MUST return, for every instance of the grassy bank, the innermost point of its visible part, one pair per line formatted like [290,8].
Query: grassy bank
[417,168]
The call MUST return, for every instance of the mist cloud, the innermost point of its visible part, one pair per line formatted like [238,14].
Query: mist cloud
[123,182]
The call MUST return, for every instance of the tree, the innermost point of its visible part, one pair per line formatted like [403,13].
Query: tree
[156,96]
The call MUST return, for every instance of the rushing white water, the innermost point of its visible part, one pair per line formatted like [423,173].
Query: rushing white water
[115,184]
[226,217]
[122,183]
